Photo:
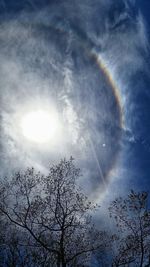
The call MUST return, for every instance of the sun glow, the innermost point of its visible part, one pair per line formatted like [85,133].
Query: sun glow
[40,126]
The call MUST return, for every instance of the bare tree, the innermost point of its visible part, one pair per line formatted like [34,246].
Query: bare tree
[54,212]
[132,218]
[17,251]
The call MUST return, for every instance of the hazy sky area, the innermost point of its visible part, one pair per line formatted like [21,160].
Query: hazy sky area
[87,64]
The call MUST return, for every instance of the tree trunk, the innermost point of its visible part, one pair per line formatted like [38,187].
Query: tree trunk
[62,253]
[63,263]
[58,261]
[142,257]
[141,244]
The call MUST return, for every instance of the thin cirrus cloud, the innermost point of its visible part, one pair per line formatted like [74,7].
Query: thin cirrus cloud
[50,58]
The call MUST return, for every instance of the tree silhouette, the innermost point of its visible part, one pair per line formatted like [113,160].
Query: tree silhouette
[45,221]
[52,210]
[132,218]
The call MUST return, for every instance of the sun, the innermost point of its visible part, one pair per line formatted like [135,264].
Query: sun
[40,126]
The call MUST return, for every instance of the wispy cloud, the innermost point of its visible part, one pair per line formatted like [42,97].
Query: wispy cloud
[46,57]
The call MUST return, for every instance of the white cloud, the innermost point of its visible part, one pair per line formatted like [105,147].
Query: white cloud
[34,61]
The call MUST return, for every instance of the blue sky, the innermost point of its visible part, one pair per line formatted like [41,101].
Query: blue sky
[68,41]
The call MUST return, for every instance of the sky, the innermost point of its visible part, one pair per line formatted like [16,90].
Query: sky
[86,64]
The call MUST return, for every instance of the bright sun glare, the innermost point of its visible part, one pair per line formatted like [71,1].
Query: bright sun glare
[39,126]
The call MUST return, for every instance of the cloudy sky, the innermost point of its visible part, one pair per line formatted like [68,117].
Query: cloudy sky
[85,66]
